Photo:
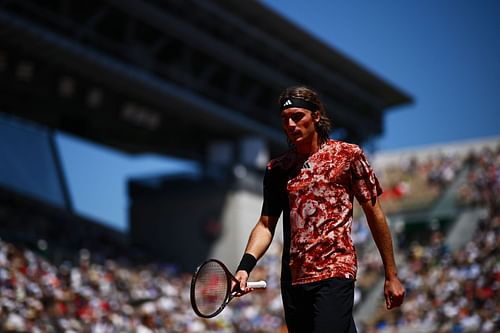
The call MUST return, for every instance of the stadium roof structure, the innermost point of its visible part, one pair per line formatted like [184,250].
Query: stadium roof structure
[170,76]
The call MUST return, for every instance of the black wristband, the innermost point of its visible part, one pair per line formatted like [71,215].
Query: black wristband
[247,263]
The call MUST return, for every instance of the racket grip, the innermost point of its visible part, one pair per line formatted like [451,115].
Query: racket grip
[257,284]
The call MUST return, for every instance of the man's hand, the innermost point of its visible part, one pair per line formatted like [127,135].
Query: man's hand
[241,289]
[394,292]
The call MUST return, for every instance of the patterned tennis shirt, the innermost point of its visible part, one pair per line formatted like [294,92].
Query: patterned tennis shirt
[316,198]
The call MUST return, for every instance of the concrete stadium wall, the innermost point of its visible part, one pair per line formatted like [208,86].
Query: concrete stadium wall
[241,212]
[458,148]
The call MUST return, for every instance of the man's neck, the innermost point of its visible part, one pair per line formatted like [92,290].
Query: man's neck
[308,148]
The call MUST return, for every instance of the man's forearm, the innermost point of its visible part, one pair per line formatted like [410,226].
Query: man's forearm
[383,240]
[382,237]
[394,290]
[259,240]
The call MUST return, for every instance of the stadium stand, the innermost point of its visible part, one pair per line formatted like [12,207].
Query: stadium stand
[452,280]
[105,291]
[62,273]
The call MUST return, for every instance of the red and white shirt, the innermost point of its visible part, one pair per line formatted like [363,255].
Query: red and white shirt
[316,196]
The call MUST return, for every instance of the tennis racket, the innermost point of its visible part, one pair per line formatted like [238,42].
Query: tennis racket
[211,288]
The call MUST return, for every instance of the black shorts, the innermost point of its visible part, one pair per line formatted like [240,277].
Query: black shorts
[319,307]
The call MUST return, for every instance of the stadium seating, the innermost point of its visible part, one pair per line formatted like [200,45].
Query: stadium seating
[447,291]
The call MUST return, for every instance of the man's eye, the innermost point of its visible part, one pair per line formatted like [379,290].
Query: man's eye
[296,117]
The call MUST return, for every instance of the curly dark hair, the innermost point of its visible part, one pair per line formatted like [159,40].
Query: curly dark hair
[324,126]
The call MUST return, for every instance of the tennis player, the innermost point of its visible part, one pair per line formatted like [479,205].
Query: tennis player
[314,184]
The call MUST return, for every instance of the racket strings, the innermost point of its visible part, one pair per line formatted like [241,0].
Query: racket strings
[211,288]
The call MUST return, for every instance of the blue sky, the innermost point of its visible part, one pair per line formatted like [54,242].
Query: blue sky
[97,177]
[444,53]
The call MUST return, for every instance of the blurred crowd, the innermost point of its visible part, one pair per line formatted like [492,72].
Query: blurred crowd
[446,291]
[450,291]
[37,296]
[415,184]
[455,291]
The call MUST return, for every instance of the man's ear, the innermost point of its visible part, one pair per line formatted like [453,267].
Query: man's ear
[316,116]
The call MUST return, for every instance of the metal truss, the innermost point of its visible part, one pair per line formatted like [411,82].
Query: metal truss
[200,64]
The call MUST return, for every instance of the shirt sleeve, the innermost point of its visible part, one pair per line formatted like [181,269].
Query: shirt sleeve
[365,184]
[273,192]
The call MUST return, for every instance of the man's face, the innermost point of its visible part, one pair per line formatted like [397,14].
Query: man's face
[298,124]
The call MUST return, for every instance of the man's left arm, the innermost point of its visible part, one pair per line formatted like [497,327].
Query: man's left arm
[394,291]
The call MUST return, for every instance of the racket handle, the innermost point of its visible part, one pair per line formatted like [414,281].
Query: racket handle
[257,284]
